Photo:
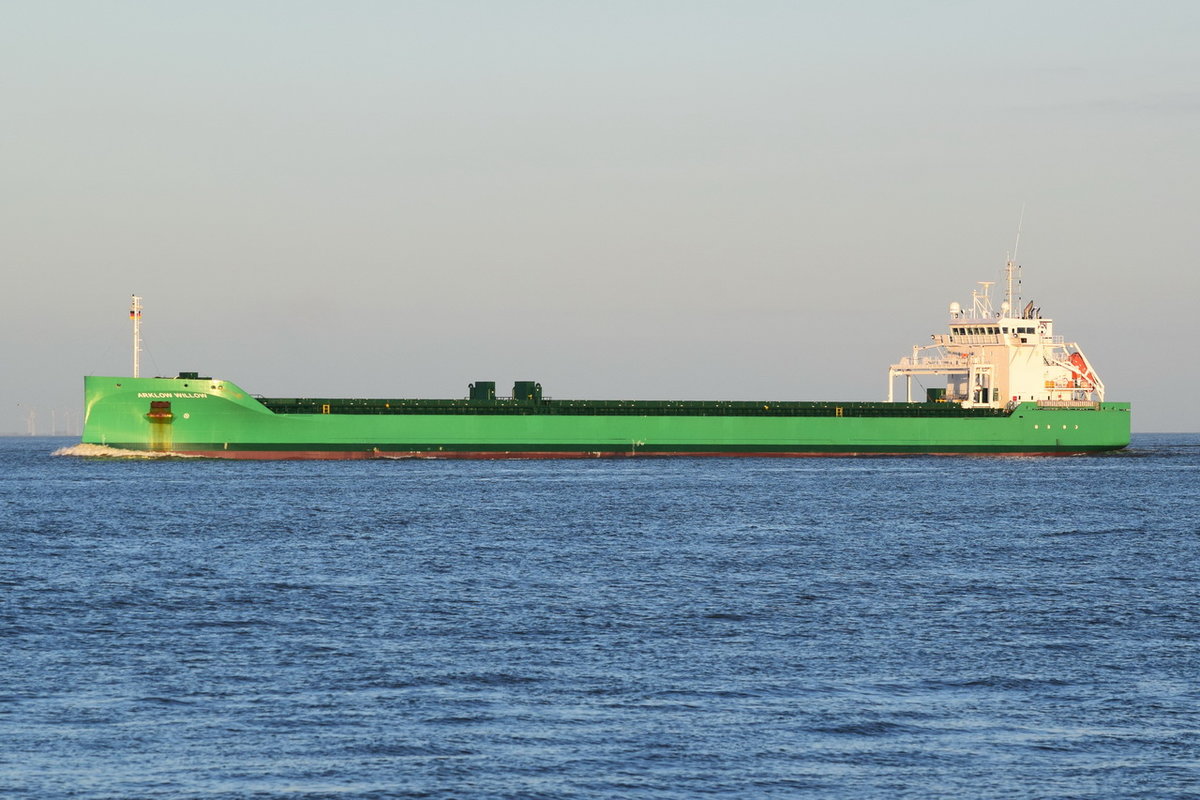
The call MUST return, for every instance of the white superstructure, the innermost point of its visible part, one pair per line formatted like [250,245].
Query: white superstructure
[994,358]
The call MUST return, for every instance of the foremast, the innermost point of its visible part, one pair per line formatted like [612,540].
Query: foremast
[135,316]
[993,358]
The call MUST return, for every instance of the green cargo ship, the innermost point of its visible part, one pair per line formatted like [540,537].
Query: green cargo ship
[1011,386]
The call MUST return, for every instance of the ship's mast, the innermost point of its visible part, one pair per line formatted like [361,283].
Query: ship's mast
[981,300]
[1010,266]
[135,314]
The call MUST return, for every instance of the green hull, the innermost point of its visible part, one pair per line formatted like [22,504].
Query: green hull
[203,416]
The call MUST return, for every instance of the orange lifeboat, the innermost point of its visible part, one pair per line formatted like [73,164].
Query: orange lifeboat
[1084,378]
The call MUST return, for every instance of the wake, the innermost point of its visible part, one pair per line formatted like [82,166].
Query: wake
[82,450]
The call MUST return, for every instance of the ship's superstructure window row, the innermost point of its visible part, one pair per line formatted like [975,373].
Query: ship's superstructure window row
[989,330]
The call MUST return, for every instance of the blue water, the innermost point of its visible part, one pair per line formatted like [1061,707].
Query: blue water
[835,628]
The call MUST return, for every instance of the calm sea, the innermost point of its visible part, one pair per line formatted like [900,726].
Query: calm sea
[834,628]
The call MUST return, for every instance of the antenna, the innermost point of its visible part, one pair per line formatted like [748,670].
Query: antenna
[1020,224]
[135,314]
[1010,267]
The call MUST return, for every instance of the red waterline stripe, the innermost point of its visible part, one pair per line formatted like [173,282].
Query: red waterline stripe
[362,455]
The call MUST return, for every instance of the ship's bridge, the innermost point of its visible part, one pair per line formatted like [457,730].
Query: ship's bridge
[996,358]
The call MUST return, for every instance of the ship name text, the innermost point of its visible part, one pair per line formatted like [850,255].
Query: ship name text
[158,395]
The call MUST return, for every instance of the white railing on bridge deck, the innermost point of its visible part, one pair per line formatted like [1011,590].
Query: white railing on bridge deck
[934,362]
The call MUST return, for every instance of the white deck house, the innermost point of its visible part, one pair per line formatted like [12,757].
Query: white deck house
[995,358]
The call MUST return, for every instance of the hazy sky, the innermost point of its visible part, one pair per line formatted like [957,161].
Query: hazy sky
[739,200]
